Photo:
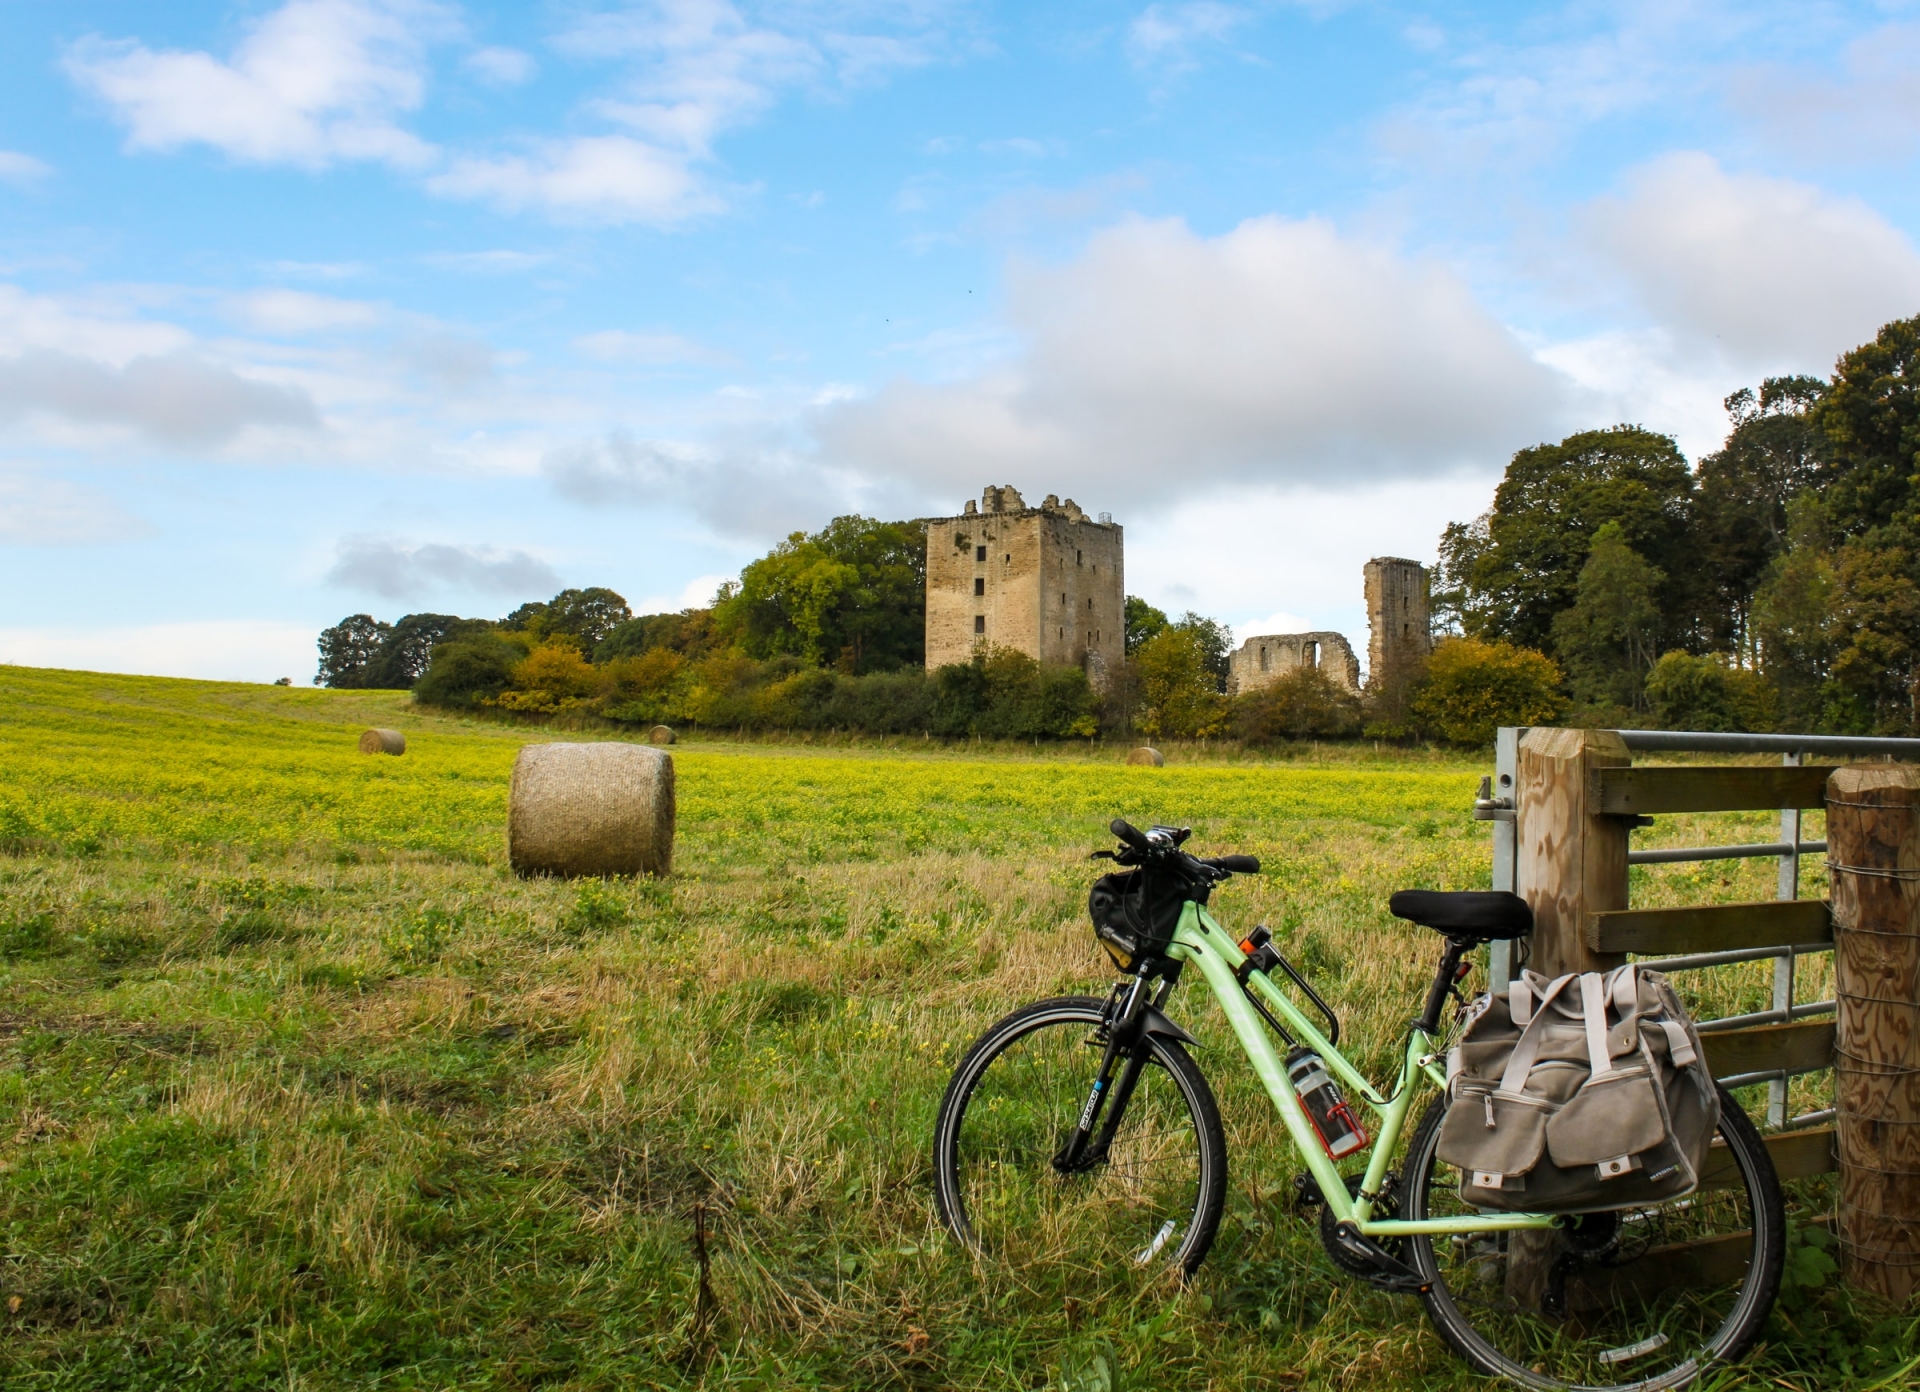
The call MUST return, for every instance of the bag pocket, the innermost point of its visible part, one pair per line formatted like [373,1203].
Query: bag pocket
[1488,1132]
[1615,1115]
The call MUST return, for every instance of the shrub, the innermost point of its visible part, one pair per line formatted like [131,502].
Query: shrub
[469,672]
[1179,691]
[1472,688]
[1706,693]
[1303,703]
[552,677]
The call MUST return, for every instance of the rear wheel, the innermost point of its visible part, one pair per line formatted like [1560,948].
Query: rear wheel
[1154,1201]
[1644,1299]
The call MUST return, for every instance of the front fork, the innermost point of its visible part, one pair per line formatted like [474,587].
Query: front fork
[1106,1105]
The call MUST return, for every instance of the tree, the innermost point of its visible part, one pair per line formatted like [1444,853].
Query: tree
[350,652]
[1608,638]
[1305,702]
[586,616]
[1687,692]
[1179,690]
[853,594]
[1511,577]
[689,633]
[1741,498]
[1471,688]
[1143,622]
[469,672]
[1215,642]
[1794,623]
[410,643]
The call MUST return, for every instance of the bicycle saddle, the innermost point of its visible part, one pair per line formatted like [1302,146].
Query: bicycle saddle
[1483,914]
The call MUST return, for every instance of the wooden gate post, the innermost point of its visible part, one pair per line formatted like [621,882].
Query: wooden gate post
[1873,852]
[1572,861]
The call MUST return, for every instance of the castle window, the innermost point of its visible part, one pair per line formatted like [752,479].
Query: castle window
[1079,558]
[1063,600]
[979,585]
[979,623]
[1265,663]
[1007,559]
[1310,654]
[979,553]
[1406,630]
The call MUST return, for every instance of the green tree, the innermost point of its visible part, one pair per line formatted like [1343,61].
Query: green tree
[1743,490]
[471,671]
[586,616]
[1303,703]
[689,633]
[1795,625]
[1510,574]
[1143,622]
[853,594]
[410,643]
[1608,637]
[1179,690]
[1471,688]
[350,652]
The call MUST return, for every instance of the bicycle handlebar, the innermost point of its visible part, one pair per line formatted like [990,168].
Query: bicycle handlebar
[1162,847]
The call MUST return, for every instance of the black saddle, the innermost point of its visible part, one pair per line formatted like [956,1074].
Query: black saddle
[1482,914]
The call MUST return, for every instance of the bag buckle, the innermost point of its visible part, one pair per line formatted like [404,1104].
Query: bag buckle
[1619,1165]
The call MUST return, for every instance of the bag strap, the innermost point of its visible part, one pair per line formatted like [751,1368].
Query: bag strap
[1520,1002]
[1593,1007]
[1527,1048]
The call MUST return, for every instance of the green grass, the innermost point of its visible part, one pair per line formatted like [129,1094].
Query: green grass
[300,1087]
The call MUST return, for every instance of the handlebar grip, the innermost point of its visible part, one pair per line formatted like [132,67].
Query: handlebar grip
[1128,833]
[1238,864]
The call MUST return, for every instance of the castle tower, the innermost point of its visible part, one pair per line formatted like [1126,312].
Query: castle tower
[1400,637]
[1047,581]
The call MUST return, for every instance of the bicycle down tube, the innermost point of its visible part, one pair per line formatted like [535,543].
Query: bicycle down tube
[1201,940]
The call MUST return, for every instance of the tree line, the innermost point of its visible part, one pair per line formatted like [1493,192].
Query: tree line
[1773,586]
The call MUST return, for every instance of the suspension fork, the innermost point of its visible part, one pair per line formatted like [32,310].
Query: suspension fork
[1107,1098]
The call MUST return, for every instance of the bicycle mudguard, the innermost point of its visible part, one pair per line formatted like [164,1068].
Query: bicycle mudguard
[1153,1022]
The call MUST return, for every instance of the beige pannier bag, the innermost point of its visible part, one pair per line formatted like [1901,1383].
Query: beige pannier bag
[1581,1093]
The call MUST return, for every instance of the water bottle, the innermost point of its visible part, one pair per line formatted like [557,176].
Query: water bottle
[1339,1130]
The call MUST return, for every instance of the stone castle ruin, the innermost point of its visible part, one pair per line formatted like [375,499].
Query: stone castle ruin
[1264,659]
[1046,581]
[1049,581]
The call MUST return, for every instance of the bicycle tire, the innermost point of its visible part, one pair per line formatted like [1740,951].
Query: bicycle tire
[1014,1097]
[1694,1325]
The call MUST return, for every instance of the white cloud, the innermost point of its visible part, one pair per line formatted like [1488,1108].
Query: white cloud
[587,179]
[17,168]
[1282,621]
[696,68]
[497,262]
[180,401]
[743,487]
[1165,36]
[1870,109]
[653,349]
[1163,363]
[502,67]
[397,570]
[313,83]
[296,313]
[1770,273]
[697,593]
[218,650]
[40,511]
[450,361]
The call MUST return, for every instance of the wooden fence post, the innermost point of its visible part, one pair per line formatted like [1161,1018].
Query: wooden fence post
[1873,840]
[1572,860]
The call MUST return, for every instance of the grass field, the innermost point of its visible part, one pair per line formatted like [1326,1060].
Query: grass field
[301,1088]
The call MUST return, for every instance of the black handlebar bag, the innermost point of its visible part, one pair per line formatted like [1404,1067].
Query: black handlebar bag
[1135,912]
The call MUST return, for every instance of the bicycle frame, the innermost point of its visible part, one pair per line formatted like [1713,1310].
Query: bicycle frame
[1200,939]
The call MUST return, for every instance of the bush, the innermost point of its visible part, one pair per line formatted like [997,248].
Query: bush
[1706,693]
[470,672]
[552,677]
[1179,690]
[1303,703]
[1472,688]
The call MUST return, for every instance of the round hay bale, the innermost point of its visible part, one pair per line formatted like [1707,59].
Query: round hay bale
[661,734]
[383,742]
[1147,757]
[590,809]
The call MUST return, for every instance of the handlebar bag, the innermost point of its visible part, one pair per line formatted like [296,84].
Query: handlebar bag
[1578,1094]
[1134,912]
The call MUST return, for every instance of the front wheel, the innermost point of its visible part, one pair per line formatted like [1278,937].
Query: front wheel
[1646,1299]
[1153,1200]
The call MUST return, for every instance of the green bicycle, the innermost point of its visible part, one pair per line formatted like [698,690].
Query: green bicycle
[1080,1130]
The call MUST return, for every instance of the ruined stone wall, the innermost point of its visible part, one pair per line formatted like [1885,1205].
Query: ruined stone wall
[1400,635]
[1263,660]
[1047,581]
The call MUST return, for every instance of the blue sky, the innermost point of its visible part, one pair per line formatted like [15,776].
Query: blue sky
[324,306]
